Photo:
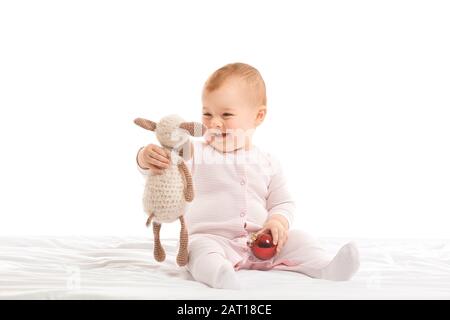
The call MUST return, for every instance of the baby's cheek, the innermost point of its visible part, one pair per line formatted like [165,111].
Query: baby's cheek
[206,122]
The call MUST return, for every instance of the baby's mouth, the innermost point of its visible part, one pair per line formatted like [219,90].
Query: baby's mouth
[217,134]
[223,135]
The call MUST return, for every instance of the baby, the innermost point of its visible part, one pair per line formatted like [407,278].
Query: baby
[241,190]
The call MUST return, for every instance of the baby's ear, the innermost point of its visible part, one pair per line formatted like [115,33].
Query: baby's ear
[146,124]
[195,129]
[262,111]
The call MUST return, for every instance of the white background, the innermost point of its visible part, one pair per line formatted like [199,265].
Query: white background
[358,107]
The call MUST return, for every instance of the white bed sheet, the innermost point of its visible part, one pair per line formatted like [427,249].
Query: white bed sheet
[123,268]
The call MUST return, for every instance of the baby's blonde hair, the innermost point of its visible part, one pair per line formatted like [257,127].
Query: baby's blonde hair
[241,71]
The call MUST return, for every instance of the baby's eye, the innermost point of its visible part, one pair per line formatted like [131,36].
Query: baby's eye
[228,114]
[207,114]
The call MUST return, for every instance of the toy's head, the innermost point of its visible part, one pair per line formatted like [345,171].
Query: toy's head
[172,131]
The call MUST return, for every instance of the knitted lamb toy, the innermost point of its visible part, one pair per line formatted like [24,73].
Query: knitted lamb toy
[166,195]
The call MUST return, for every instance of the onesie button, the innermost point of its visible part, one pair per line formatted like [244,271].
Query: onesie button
[242,213]
[242,182]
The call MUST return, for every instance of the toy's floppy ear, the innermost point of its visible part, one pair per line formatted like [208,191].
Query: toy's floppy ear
[146,124]
[195,129]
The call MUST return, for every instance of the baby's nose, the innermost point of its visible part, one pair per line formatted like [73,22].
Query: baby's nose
[216,124]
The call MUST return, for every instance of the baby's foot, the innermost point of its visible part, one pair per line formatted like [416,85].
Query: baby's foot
[226,278]
[344,264]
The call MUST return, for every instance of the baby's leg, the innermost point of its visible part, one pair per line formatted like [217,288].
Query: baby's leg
[302,253]
[208,264]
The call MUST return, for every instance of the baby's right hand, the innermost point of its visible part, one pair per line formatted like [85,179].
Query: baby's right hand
[154,158]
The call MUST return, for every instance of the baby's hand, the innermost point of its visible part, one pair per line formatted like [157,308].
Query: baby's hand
[154,158]
[278,231]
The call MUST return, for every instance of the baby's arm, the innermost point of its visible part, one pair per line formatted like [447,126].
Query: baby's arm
[280,207]
[280,218]
[154,159]
[280,204]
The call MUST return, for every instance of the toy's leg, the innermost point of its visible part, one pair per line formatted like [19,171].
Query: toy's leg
[149,220]
[158,251]
[182,257]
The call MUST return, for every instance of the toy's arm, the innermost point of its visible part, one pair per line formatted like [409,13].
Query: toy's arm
[189,189]
[190,151]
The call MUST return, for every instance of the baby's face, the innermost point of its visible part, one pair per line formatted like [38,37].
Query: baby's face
[231,115]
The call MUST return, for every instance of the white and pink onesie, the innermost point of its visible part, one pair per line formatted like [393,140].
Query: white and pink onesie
[234,194]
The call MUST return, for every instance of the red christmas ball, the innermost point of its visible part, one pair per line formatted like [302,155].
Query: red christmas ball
[263,247]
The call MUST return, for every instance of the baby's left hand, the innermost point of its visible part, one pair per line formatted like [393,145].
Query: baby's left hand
[278,231]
